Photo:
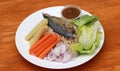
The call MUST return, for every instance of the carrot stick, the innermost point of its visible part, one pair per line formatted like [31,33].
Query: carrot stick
[47,35]
[41,40]
[41,45]
[37,48]
[44,53]
[46,46]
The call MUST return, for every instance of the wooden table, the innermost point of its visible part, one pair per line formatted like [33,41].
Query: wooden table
[12,12]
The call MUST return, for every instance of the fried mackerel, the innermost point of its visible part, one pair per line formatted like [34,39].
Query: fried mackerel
[60,26]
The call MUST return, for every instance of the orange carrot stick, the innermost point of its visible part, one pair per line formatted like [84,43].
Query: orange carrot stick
[47,35]
[46,46]
[41,45]
[44,53]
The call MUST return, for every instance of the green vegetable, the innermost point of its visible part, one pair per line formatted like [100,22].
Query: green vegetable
[85,19]
[76,47]
[94,46]
[87,37]
[89,34]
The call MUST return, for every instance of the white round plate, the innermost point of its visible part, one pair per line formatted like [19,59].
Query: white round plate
[29,23]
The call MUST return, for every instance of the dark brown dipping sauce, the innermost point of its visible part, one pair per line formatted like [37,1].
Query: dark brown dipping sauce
[71,12]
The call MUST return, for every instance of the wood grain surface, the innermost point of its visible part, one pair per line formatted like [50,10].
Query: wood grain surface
[13,12]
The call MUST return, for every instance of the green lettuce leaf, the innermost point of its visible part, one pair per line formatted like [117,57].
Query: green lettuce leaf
[76,47]
[88,41]
[87,37]
[85,19]
[94,46]
[88,33]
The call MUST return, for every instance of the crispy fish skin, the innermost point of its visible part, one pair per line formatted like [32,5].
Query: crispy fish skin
[65,23]
[57,28]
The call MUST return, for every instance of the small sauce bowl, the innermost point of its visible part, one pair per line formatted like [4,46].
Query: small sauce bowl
[71,12]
